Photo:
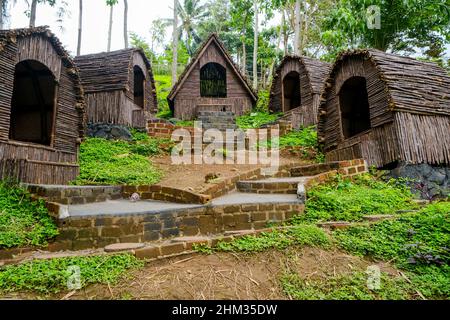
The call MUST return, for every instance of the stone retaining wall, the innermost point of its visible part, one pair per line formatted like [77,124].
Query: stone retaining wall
[161,193]
[73,195]
[96,232]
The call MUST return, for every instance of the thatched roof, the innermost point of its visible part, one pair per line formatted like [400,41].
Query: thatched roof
[413,86]
[213,38]
[317,71]
[10,36]
[110,71]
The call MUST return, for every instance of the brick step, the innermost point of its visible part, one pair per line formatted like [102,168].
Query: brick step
[288,185]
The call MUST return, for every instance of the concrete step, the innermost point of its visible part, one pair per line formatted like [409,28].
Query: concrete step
[272,185]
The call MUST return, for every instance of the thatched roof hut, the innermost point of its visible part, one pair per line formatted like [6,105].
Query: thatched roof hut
[296,89]
[211,82]
[385,108]
[119,87]
[41,108]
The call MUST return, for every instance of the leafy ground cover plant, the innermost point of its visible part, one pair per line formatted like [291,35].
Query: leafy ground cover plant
[350,200]
[345,287]
[302,235]
[51,276]
[256,120]
[23,222]
[104,162]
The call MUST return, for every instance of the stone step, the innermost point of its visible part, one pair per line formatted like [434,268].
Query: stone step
[272,185]
[335,225]
[121,247]
[378,217]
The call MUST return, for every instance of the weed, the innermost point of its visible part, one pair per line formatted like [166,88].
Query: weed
[256,120]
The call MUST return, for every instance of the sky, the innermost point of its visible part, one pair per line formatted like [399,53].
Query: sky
[95,22]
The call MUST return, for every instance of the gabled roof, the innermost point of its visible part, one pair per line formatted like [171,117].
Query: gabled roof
[109,71]
[10,36]
[213,38]
[317,71]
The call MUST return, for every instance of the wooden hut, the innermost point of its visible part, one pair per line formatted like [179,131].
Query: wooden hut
[296,89]
[386,109]
[119,87]
[41,108]
[211,82]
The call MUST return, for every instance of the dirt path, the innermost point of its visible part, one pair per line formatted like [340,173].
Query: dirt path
[227,276]
[192,177]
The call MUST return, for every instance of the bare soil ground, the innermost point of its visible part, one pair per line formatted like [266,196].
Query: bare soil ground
[192,177]
[224,276]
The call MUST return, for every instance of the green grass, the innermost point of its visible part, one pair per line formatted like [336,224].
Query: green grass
[303,235]
[51,276]
[348,200]
[185,123]
[345,287]
[255,120]
[104,162]
[163,87]
[23,222]
[416,242]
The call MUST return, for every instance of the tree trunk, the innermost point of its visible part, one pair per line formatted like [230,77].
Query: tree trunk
[280,35]
[285,33]
[125,24]
[111,12]
[2,14]
[297,28]
[244,58]
[255,47]
[80,27]
[33,13]
[175,43]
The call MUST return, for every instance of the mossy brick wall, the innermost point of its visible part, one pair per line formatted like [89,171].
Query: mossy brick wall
[96,232]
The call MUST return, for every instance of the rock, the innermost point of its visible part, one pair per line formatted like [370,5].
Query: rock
[437,176]
[378,217]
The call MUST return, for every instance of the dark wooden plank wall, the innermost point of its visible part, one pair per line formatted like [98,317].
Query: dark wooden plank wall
[188,97]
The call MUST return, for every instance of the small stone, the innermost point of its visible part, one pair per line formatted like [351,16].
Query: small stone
[118,247]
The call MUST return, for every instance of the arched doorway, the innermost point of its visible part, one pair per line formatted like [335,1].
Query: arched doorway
[291,91]
[33,103]
[213,81]
[139,81]
[354,104]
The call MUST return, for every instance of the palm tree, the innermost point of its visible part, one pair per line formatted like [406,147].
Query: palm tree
[191,14]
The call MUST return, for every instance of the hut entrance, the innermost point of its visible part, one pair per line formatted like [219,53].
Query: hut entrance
[33,103]
[354,102]
[291,91]
[139,80]
[213,81]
